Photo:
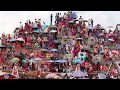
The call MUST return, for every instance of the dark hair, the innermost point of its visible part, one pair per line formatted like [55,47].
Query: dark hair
[82,50]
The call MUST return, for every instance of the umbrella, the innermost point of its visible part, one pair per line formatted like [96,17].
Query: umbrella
[51,61]
[111,39]
[61,61]
[85,21]
[36,31]
[38,59]
[71,22]
[15,60]
[79,73]
[76,20]
[52,75]
[35,28]
[33,61]
[44,32]
[20,39]
[101,34]
[101,76]
[3,46]
[53,26]
[44,50]
[79,38]
[53,50]
[13,40]
[53,31]
[115,52]
[80,20]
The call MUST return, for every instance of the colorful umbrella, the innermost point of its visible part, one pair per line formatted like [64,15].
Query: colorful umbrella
[36,31]
[52,75]
[85,21]
[51,61]
[3,46]
[15,60]
[53,50]
[20,39]
[53,26]
[115,52]
[79,39]
[44,50]
[32,61]
[35,27]
[61,61]
[38,59]
[44,32]
[111,39]
[101,34]
[71,22]
[13,40]
[53,31]
[76,20]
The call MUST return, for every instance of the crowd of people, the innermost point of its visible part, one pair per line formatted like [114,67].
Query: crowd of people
[86,47]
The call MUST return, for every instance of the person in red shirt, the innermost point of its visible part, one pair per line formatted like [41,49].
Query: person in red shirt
[26,26]
[9,37]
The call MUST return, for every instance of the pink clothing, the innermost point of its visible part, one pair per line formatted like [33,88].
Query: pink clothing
[29,39]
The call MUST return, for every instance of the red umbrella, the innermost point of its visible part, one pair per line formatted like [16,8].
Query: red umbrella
[115,52]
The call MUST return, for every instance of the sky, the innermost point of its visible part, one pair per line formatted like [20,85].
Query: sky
[9,20]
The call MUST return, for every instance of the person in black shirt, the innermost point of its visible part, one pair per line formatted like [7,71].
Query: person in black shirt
[92,22]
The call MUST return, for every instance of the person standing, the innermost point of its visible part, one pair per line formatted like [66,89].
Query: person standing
[51,16]
[80,21]
[92,22]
